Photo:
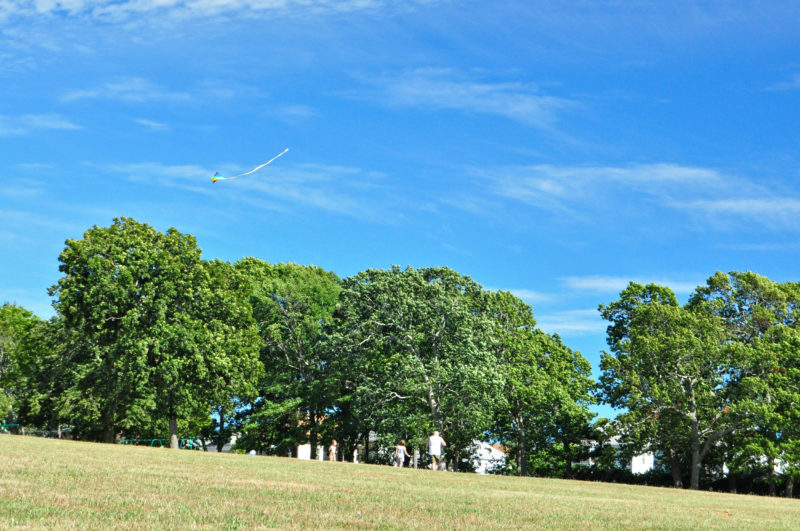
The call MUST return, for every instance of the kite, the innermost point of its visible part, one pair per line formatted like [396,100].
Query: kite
[218,177]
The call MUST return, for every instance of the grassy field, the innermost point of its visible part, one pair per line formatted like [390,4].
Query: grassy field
[51,483]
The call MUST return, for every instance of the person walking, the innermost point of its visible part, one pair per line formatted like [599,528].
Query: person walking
[400,454]
[435,445]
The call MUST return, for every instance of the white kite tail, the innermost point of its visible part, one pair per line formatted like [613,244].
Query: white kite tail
[219,178]
[262,165]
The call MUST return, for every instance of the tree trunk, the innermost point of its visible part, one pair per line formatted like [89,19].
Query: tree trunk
[433,403]
[694,473]
[522,450]
[108,434]
[732,482]
[694,478]
[366,448]
[675,469]
[220,437]
[312,435]
[789,490]
[59,430]
[771,480]
[567,461]
[173,432]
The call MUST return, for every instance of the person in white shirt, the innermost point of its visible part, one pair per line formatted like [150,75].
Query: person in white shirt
[332,451]
[435,445]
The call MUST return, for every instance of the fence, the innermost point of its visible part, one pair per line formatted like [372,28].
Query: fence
[183,443]
[5,428]
[188,443]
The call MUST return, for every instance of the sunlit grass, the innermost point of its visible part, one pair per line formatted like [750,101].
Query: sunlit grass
[51,483]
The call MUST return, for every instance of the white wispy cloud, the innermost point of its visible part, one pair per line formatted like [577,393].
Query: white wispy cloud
[25,124]
[777,212]
[789,85]
[352,192]
[557,186]
[118,10]
[572,322]
[615,284]
[152,124]
[189,177]
[348,191]
[22,189]
[291,113]
[129,89]
[13,63]
[531,296]
[574,288]
[140,90]
[706,197]
[448,89]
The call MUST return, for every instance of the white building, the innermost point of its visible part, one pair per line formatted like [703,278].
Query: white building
[643,463]
[486,457]
[304,452]
[640,464]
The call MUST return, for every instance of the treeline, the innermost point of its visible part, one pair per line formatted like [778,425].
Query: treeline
[150,339]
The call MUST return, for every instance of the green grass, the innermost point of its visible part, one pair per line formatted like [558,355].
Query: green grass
[50,483]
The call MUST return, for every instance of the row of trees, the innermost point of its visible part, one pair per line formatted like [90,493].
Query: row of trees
[713,385]
[149,339]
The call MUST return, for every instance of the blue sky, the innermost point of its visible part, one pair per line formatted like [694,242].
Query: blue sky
[553,149]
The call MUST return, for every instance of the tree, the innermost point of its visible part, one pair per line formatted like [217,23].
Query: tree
[152,331]
[547,391]
[291,303]
[761,318]
[419,351]
[231,334]
[670,366]
[568,397]
[16,325]
[43,379]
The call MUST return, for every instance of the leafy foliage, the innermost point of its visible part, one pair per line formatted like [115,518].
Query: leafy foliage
[715,377]
[154,331]
[149,338]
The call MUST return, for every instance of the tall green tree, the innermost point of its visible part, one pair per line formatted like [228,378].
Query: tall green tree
[419,348]
[140,306]
[761,317]
[547,391]
[231,331]
[671,366]
[517,349]
[291,304]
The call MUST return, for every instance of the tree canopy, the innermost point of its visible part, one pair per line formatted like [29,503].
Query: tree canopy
[711,375]
[150,338]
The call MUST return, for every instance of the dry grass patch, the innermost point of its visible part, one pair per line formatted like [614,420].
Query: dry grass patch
[50,483]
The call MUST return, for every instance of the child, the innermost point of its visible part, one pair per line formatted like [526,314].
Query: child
[332,451]
[400,454]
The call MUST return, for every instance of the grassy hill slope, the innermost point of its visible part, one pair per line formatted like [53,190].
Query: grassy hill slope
[52,483]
